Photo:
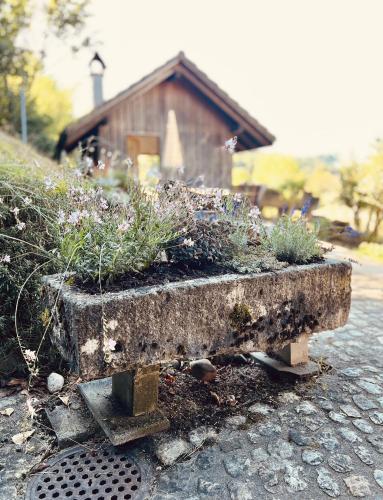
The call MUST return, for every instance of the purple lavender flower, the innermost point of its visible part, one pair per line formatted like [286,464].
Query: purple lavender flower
[306,206]
[353,233]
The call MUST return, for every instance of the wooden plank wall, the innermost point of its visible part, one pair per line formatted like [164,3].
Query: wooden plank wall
[202,130]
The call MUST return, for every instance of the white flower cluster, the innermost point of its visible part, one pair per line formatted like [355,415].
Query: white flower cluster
[6,259]
[124,226]
[103,204]
[49,184]
[254,212]
[188,242]
[231,144]
[77,216]
[218,200]
[254,216]
[19,224]
[89,203]
[129,162]
[30,355]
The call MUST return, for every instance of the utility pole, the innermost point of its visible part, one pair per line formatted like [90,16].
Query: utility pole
[23,114]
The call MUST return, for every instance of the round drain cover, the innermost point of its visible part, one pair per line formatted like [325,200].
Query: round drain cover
[81,474]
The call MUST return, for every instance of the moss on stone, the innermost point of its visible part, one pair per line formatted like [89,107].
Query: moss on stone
[240,316]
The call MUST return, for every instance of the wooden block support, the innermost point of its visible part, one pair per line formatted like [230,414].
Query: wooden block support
[137,389]
[295,353]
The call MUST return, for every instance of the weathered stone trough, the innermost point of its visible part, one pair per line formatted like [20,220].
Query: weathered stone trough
[269,312]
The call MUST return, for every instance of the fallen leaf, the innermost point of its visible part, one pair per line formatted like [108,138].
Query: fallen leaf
[169,379]
[64,399]
[231,401]
[31,410]
[7,412]
[16,381]
[215,397]
[39,467]
[22,436]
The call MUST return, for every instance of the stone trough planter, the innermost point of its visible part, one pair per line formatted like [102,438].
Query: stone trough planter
[268,312]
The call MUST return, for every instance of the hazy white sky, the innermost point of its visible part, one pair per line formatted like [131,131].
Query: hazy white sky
[309,70]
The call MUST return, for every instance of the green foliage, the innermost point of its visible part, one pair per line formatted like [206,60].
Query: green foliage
[228,234]
[362,191]
[46,119]
[19,66]
[276,171]
[291,240]
[350,177]
[371,250]
[106,242]
[14,17]
[52,220]
[23,200]
[255,260]
[67,18]
[322,183]
[206,243]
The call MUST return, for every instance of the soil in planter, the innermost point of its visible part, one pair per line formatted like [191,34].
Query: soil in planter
[188,403]
[156,275]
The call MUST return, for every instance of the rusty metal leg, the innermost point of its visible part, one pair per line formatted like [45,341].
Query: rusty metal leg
[125,405]
[137,389]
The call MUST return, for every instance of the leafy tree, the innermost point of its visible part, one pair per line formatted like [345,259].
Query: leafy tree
[274,170]
[20,66]
[15,62]
[280,172]
[322,183]
[350,177]
[362,191]
[46,118]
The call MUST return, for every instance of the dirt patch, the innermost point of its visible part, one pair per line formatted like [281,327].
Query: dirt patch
[156,275]
[188,403]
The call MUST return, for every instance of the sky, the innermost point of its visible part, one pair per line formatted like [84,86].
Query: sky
[309,70]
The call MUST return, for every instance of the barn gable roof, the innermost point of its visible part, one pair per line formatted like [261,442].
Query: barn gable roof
[250,132]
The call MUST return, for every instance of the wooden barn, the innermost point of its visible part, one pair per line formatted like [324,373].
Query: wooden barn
[177,114]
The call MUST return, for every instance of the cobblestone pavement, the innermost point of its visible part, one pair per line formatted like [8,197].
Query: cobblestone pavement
[328,443]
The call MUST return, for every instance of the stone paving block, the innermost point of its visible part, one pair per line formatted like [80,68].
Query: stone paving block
[364,454]
[358,486]
[168,452]
[327,483]
[72,426]
[312,457]
[340,462]
[378,475]
[240,491]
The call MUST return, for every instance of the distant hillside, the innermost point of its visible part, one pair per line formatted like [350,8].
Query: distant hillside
[13,150]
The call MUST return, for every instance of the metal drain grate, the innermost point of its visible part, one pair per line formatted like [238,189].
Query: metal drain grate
[78,474]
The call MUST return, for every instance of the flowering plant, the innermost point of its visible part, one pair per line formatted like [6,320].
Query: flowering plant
[292,240]
[100,241]
[63,222]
